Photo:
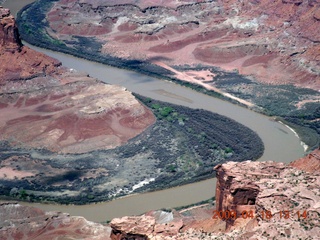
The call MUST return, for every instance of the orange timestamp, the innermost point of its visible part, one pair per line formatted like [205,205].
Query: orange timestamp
[284,214]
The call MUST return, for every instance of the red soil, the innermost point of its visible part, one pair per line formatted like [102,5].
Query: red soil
[309,163]
[67,120]
[276,42]
[58,109]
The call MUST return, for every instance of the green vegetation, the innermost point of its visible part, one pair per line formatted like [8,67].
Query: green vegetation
[32,25]
[280,101]
[272,100]
[184,144]
[182,147]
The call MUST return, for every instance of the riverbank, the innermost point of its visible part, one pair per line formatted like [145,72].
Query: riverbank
[272,134]
[271,100]
[182,147]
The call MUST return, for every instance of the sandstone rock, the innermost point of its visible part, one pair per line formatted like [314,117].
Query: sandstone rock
[309,163]
[226,34]
[132,227]
[293,1]
[237,190]
[316,14]
[9,35]
[18,61]
[25,223]
[148,226]
[270,190]
[284,201]
[283,190]
[45,105]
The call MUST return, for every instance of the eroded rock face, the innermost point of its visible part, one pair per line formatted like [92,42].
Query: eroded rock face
[273,187]
[9,35]
[153,225]
[25,223]
[309,163]
[284,202]
[45,105]
[275,41]
[18,61]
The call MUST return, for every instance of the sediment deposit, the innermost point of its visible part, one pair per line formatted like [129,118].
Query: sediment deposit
[26,223]
[289,194]
[276,42]
[69,138]
[261,54]
[48,111]
[284,202]
[45,105]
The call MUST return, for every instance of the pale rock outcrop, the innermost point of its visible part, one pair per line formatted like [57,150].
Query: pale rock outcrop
[26,223]
[153,225]
[283,202]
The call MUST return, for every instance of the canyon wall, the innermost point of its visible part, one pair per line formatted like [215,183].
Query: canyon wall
[49,112]
[276,42]
[264,200]
[25,223]
[45,105]
[284,201]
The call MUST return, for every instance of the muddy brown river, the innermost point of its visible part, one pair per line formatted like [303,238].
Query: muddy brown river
[281,144]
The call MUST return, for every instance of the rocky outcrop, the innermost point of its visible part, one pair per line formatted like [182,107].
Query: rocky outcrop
[26,223]
[237,191]
[267,200]
[309,163]
[45,105]
[50,110]
[274,41]
[9,35]
[153,225]
[283,200]
[17,61]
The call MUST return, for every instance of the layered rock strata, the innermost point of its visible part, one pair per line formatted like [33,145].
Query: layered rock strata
[309,163]
[9,35]
[26,223]
[279,202]
[154,225]
[277,42]
[45,105]
[285,201]
[290,195]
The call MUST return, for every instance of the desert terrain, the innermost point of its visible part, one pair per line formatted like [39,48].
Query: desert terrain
[262,39]
[66,137]
[260,54]
[69,138]
[289,193]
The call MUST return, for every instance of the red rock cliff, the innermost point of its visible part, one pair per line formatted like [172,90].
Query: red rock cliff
[277,41]
[284,201]
[18,61]
[46,105]
[9,35]
[309,163]
[26,223]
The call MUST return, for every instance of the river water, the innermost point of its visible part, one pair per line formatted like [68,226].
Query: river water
[281,144]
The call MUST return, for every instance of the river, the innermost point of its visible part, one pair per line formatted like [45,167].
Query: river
[281,144]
